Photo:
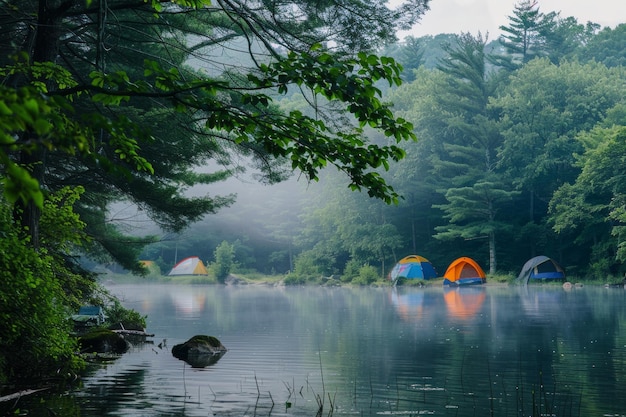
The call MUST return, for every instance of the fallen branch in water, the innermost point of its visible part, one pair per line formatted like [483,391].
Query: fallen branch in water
[20,394]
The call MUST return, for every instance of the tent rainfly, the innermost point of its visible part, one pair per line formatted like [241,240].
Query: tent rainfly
[464,271]
[189,266]
[413,267]
[541,268]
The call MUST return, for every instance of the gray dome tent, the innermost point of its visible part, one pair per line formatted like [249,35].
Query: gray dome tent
[541,268]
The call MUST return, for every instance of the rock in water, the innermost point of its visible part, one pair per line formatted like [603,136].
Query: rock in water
[199,351]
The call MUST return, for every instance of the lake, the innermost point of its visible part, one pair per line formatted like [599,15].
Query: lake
[307,351]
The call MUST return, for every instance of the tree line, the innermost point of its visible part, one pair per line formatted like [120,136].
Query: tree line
[517,155]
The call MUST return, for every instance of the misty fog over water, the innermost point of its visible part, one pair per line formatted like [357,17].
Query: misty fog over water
[370,351]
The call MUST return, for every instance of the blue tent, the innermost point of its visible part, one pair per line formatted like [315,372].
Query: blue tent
[413,267]
[541,268]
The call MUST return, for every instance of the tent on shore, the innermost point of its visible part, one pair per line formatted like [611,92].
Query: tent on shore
[464,271]
[541,268]
[413,267]
[189,266]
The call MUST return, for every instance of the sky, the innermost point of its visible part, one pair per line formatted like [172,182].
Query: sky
[456,16]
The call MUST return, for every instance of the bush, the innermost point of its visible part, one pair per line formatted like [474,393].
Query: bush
[224,258]
[294,279]
[305,270]
[351,271]
[367,275]
[130,319]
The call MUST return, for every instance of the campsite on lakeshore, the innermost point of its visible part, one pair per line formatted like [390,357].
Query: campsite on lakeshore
[304,208]
[468,351]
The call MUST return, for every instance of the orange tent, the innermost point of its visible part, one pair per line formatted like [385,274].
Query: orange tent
[464,271]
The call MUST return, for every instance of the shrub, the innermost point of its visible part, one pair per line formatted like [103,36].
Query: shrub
[367,275]
[305,270]
[224,258]
[351,271]
[130,319]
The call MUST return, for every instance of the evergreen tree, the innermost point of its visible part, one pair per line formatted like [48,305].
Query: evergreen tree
[523,38]
[412,57]
[472,188]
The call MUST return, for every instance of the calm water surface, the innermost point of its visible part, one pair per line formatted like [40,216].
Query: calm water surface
[501,351]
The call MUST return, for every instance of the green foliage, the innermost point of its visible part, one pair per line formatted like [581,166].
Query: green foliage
[592,208]
[606,47]
[224,260]
[41,121]
[63,237]
[367,275]
[34,330]
[351,270]
[62,228]
[523,36]
[293,279]
[347,80]
[130,319]
[306,269]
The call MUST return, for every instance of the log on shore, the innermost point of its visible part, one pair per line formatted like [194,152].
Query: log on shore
[20,394]
[133,332]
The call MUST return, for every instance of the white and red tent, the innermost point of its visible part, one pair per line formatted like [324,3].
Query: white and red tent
[189,266]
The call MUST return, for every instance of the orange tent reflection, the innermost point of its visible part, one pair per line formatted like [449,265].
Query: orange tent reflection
[464,302]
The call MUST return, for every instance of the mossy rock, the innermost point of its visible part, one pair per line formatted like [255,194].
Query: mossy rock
[102,341]
[199,351]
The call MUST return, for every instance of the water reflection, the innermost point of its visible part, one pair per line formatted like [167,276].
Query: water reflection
[409,304]
[188,302]
[202,361]
[405,351]
[464,302]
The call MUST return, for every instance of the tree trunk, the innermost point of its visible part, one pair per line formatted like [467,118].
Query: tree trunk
[492,241]
[44,50]
[27,213]
[492,253]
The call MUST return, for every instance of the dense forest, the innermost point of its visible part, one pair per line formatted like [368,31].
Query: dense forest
[519,152]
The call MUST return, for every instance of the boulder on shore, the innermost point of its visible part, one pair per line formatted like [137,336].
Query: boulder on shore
[102,341]
[200,351]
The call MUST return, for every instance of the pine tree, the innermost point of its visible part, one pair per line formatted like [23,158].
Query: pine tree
[523,37]
[473,190]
